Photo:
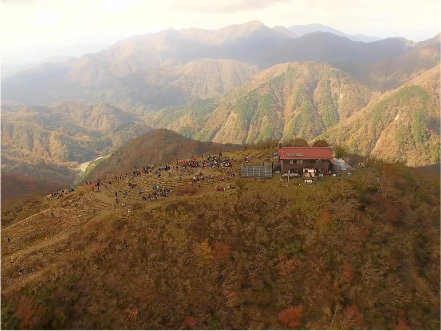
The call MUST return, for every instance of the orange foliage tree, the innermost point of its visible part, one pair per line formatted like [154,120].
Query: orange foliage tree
[286,266]
[348,273]
[353,318]
[221,250]
[402,325]
[190,322]
[291,317]
[30,313]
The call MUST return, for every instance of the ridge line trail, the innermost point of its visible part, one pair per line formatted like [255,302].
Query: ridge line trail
[24,219]
[46,229]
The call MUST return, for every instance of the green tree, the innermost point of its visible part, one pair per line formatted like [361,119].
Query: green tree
[297,142]
[340,151]
[320,143]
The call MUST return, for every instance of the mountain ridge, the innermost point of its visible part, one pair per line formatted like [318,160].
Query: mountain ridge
[283,90]
[302,29]
[48,143]
[408,118]
[311,100]
[157,146]
[120,74]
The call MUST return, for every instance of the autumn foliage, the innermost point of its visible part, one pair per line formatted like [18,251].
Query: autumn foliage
[29,312]
[286,266]
[348,273]
[221,251]
[259,256]
[402,325]
[190,322]
[353,318]
[291,317]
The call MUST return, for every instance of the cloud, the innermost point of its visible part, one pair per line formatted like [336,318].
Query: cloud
[225,6]
[18,2]
[47,18]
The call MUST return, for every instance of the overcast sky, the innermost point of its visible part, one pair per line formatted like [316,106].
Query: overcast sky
[37,29]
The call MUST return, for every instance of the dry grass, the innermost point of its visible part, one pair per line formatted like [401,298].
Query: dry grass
[261,255]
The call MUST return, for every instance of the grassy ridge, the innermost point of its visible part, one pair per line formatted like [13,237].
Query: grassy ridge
[358,251]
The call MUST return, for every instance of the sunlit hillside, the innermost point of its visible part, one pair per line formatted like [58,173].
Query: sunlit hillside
[211,250]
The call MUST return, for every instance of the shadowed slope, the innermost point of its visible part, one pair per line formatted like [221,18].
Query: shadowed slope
[155,147]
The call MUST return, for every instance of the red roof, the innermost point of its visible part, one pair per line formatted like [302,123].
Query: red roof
[305,153]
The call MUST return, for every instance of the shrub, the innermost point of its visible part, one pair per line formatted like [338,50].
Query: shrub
[221,250]
[292,316]
[340,151]
[348,273]
[353,318]
[190,322]
[320,143]
[30,313]
[297,142]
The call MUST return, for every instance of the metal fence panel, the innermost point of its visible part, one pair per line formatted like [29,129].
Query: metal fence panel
[256,172]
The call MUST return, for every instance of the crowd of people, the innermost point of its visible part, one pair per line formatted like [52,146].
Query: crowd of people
[181,168]
[62,193]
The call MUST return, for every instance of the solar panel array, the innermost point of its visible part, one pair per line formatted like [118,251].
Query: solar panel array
[256,172]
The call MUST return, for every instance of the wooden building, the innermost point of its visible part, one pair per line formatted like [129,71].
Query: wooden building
[296,159]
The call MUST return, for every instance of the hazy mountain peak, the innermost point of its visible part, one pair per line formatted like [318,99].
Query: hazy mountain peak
[254,24]
[134,71]
[236,31]
[286,32]
[301,30]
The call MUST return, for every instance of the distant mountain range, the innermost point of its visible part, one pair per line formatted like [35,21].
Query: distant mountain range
[301,30]
[314,101]
[49,142]
[240,84]
[287,100]
[167,68]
